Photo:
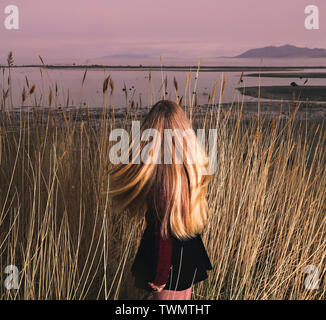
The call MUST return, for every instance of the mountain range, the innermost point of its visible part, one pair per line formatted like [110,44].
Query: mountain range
[286,51]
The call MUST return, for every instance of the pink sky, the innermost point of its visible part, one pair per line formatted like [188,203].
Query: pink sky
[84,29]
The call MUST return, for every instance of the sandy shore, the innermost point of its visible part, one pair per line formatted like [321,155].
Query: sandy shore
[299,75]
[312,93]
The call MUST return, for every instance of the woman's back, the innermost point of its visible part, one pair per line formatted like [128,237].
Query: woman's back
[172,194]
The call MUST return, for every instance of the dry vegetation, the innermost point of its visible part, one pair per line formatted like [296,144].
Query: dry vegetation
[267,202]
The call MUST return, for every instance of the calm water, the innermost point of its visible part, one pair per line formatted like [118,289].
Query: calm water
[138,85]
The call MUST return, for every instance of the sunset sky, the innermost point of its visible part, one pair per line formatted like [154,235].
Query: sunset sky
[84,29]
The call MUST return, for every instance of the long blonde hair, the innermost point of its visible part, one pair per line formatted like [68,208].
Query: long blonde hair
[175,192]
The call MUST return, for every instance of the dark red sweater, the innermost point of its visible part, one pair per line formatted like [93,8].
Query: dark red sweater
[163,249]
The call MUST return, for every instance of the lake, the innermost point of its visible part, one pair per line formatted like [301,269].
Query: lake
[138,85]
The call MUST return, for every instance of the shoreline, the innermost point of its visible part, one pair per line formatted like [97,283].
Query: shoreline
[268,109]
[169,68]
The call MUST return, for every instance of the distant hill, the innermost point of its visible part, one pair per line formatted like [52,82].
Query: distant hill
[286,51]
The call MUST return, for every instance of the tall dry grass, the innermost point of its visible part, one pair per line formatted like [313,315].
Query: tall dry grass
[267,201]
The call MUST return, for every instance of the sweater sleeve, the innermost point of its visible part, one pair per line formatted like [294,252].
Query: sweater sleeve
[164,256]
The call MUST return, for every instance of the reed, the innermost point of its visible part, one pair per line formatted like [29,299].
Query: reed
[57,225]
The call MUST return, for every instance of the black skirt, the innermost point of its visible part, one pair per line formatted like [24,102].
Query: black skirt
[189,262]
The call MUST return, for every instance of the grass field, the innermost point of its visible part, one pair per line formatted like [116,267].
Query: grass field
[57,225]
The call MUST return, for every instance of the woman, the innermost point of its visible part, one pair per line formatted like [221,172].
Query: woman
[169,185]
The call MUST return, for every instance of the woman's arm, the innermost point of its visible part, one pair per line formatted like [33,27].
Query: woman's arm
[164,256]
